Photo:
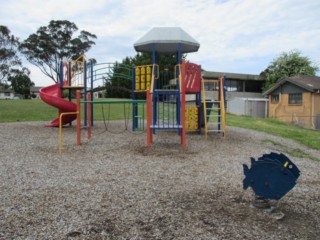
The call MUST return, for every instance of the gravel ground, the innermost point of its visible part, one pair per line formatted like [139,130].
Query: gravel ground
[113,187]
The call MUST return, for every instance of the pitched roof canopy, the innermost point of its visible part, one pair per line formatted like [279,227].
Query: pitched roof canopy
[310,83]
[166,40]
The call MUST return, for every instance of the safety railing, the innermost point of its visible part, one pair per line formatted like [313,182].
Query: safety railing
[73,72]
[78,123]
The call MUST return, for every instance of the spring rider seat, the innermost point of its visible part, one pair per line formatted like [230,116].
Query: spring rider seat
[271,176]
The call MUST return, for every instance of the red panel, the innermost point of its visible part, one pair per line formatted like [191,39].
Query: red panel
[192,78]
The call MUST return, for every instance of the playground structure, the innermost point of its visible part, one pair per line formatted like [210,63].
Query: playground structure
[166,98]
[166,105]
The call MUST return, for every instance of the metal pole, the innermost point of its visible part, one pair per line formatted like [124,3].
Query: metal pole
[85,105]
[78,118]
[89,116]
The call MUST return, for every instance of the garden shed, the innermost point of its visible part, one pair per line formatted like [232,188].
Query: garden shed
[254,107]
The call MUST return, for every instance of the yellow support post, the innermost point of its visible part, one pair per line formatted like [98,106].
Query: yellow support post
[222,106]
[78,123]
[203,95]
[137,78]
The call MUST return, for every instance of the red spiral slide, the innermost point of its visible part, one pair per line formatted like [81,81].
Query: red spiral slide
[52,96]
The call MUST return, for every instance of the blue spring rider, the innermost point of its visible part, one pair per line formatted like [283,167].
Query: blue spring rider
[271,176]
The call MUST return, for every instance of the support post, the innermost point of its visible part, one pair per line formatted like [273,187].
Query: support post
[89,116]
[134,105]
[183,105]
[91,99]
[61,75]
[78,119]
[85,105]
[68,83]
[149,118]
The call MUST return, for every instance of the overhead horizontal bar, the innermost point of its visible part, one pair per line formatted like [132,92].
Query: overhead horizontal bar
[114,101]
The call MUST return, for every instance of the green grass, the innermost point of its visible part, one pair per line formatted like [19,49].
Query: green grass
[37,110]
[293,152]
[307,137]
[26,110]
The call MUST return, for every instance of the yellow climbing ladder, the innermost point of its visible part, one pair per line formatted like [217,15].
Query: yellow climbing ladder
[214,112]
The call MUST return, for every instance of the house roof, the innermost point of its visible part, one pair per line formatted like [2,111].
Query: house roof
[6,90]
[35,89]
[166,40]
[238,76]
[309,83]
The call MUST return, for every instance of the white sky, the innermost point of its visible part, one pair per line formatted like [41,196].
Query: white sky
[241,36]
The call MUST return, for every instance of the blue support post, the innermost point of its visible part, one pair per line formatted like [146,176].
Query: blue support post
[225,91]
[85,105]
[91,82]
[69,74]
[134,105]
[61,77]
[154,99]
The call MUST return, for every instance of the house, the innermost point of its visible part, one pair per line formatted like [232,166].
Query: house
[244,93]
[296,100]
[8,94]
[238,85]
[99,92]
[34,91]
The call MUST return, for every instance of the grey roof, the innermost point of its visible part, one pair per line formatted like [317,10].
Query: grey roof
[238,76]
[309,83]
[167,40]
[6,90]
[35,89]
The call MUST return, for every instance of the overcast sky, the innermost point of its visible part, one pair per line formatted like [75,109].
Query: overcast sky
[240,36]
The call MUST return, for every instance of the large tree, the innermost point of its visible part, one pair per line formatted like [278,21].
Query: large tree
[9,59]
[55,43]
[286,65]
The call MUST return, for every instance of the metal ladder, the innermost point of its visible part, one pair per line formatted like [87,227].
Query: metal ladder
[214,113]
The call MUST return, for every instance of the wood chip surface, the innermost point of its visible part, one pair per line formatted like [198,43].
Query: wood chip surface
[114,187]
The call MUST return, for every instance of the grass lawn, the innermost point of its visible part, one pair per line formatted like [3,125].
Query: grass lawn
[37,110]
[308,137]
[26,110]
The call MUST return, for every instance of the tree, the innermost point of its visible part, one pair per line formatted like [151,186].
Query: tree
[121,87]
[21,82]
[9,58]
[286,65]
[55,43]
